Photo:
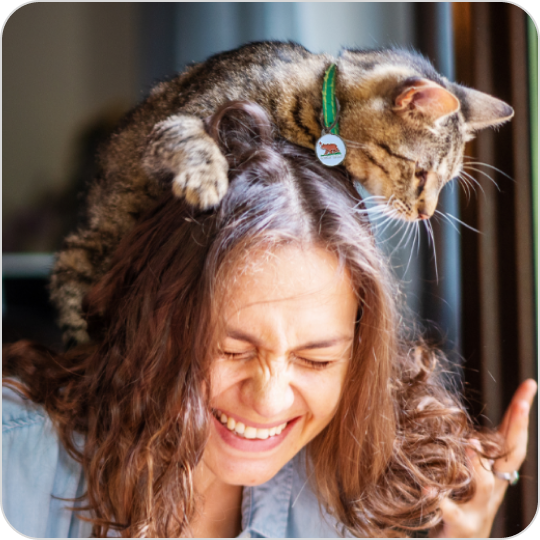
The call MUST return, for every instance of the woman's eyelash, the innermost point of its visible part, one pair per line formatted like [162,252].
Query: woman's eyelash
[311,363]
[236,355]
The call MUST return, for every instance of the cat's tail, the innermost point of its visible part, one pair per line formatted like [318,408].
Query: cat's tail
[77,267]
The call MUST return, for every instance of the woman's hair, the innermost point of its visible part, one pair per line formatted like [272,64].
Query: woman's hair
[138,395]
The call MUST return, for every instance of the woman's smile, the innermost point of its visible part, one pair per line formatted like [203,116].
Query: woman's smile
[248,429]
[250,438]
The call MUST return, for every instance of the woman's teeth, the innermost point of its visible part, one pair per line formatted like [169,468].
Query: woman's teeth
[248,432]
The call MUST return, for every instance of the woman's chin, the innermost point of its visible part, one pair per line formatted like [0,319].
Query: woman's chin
[236,460]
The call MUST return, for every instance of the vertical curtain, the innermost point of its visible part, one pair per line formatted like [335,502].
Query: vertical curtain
[498,325]
[440,289]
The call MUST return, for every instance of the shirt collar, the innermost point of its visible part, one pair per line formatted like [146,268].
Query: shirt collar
[265,508]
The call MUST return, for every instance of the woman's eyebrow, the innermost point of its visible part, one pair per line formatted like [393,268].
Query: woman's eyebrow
[322,344]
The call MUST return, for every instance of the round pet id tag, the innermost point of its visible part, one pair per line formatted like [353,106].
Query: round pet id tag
[330,150]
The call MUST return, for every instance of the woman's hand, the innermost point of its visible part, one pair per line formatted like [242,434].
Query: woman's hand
[474,518]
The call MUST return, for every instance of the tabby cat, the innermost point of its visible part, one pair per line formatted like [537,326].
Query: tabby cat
[405,127]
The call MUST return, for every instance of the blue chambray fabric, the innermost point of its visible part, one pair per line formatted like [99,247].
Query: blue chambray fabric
[38,475]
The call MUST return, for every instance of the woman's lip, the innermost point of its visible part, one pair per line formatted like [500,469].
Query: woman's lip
[249,422]
[252,445]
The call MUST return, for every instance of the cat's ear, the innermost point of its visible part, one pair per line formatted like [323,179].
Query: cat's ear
[426,97]
[482,110]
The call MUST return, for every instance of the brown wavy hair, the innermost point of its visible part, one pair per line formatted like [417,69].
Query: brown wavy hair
[398,441]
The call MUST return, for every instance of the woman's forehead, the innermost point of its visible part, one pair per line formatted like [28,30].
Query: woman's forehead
[285,273]
[295,295]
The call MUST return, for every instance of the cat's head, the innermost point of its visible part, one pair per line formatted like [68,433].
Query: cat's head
[406,126]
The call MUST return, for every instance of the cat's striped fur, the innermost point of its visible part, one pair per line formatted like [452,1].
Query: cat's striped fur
[402,144]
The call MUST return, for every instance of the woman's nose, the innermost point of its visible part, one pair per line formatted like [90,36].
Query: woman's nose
[269,393]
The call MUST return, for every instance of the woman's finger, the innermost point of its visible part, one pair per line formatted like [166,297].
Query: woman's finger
[515,428]
[516,438]
[525,392]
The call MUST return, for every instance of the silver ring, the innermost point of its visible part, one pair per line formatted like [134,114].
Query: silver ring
[511,477]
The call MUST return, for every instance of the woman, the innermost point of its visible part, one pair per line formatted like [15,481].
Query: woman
[248,377]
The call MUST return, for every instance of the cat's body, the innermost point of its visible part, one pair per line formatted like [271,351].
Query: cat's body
[405,127]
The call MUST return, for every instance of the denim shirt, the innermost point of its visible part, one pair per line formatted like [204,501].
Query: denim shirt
[37,473]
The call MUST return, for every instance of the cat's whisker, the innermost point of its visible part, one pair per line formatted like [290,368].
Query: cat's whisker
[442,214]
[415,230]
[467,186]
[474,180]
[382,221]
[403,235]
[383,208]
[427,230]
[414,225]
[382,215]
[373,211]
[485,174]
[368,208]
[373,200]
[407,236]
[373,197]
[383,227]
[399,231]
[386,223]
[429,227]
[411,234]
[490,167]
[463,223]
[471,185]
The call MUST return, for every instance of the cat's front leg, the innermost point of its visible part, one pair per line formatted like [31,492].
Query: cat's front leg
[180,146]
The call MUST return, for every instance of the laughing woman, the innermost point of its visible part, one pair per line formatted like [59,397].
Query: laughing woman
[247,377]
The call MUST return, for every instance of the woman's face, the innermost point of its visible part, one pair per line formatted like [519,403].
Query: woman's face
[288,328]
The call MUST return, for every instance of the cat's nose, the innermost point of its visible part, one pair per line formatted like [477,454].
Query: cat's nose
[425,206]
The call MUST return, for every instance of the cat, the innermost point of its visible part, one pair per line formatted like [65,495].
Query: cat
[405,127]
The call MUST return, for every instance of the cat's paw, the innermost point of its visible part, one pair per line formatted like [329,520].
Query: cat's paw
[180,145]
[203,179]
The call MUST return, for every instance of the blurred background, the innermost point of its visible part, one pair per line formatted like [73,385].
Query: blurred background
[71,70]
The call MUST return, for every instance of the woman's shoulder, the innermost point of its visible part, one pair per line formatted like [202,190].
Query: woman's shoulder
[19,412]
[37,471]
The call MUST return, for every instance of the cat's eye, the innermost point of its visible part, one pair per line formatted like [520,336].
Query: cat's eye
[421,174]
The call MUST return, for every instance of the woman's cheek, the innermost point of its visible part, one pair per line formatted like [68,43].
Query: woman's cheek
[225,375]
[321,391]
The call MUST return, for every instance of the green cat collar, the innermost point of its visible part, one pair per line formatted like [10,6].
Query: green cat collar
[329,101]
[330,148]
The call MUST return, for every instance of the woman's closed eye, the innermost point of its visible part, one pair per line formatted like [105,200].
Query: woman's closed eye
[244,355]
[316,364]
[248,355]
